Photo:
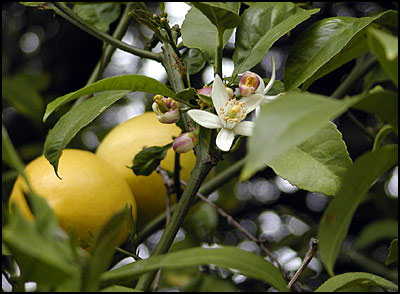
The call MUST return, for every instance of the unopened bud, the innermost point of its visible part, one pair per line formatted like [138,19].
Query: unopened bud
[230,92]
[184,142]
[206,91]
[249,83]
[167,109]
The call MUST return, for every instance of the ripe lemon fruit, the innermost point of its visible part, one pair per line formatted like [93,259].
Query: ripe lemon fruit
[120,146]
[88,194]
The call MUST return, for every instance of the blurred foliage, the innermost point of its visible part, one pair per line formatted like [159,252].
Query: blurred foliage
[62,61]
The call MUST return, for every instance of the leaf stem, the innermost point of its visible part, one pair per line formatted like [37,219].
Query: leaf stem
[360,125]
[369,264]
[218,54]
[359,70]
[65,12]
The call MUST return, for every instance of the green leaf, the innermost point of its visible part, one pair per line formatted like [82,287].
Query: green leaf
[377,231]
[198,32]
[393,252]
[124,82]
[383,132]
[286,123]
[43,259]
[117,288]
[194,61]
[337,217]
[340,282]
[319,43]
[205,99]
[21,91]
[381,102]
[4,249]
[220,15]
[247,263]
[147,160]
[103,250]
[8,153]
[46,221]
[98,15]
[187,94]
[317,165]
[74,120]
[208,283]
[262,24]
[385,46]
[357,46]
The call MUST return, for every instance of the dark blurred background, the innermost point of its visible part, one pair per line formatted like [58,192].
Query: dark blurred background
[47,57]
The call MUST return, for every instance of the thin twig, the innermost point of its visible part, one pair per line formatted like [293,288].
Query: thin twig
[169,187]
[177,184]
[309,255]
[64,11]
[128,253]
[157,280]
[360,125]
[234,223]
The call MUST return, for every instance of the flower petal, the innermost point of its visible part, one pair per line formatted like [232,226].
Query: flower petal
[252,101]
[205,118]
[270,98]
[244,128]
[219,95]
[224,139]
[260,89]
[272,80]
[258,109]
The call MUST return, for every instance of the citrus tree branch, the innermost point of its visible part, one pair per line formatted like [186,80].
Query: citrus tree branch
[200,171]
[118,34]
[206,158]
[63,10]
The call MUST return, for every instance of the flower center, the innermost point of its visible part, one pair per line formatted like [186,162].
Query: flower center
[233,111]
[165,104]
[250,81]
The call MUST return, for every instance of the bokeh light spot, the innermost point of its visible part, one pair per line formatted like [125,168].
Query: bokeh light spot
[29,42]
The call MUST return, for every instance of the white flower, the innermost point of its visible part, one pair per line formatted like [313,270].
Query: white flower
[231,113]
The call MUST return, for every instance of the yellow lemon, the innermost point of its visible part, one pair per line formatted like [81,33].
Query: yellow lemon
[120,146]
[90,192]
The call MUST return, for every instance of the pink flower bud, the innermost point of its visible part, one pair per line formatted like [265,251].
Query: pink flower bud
[248,84]
[185,142]
[206,91]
